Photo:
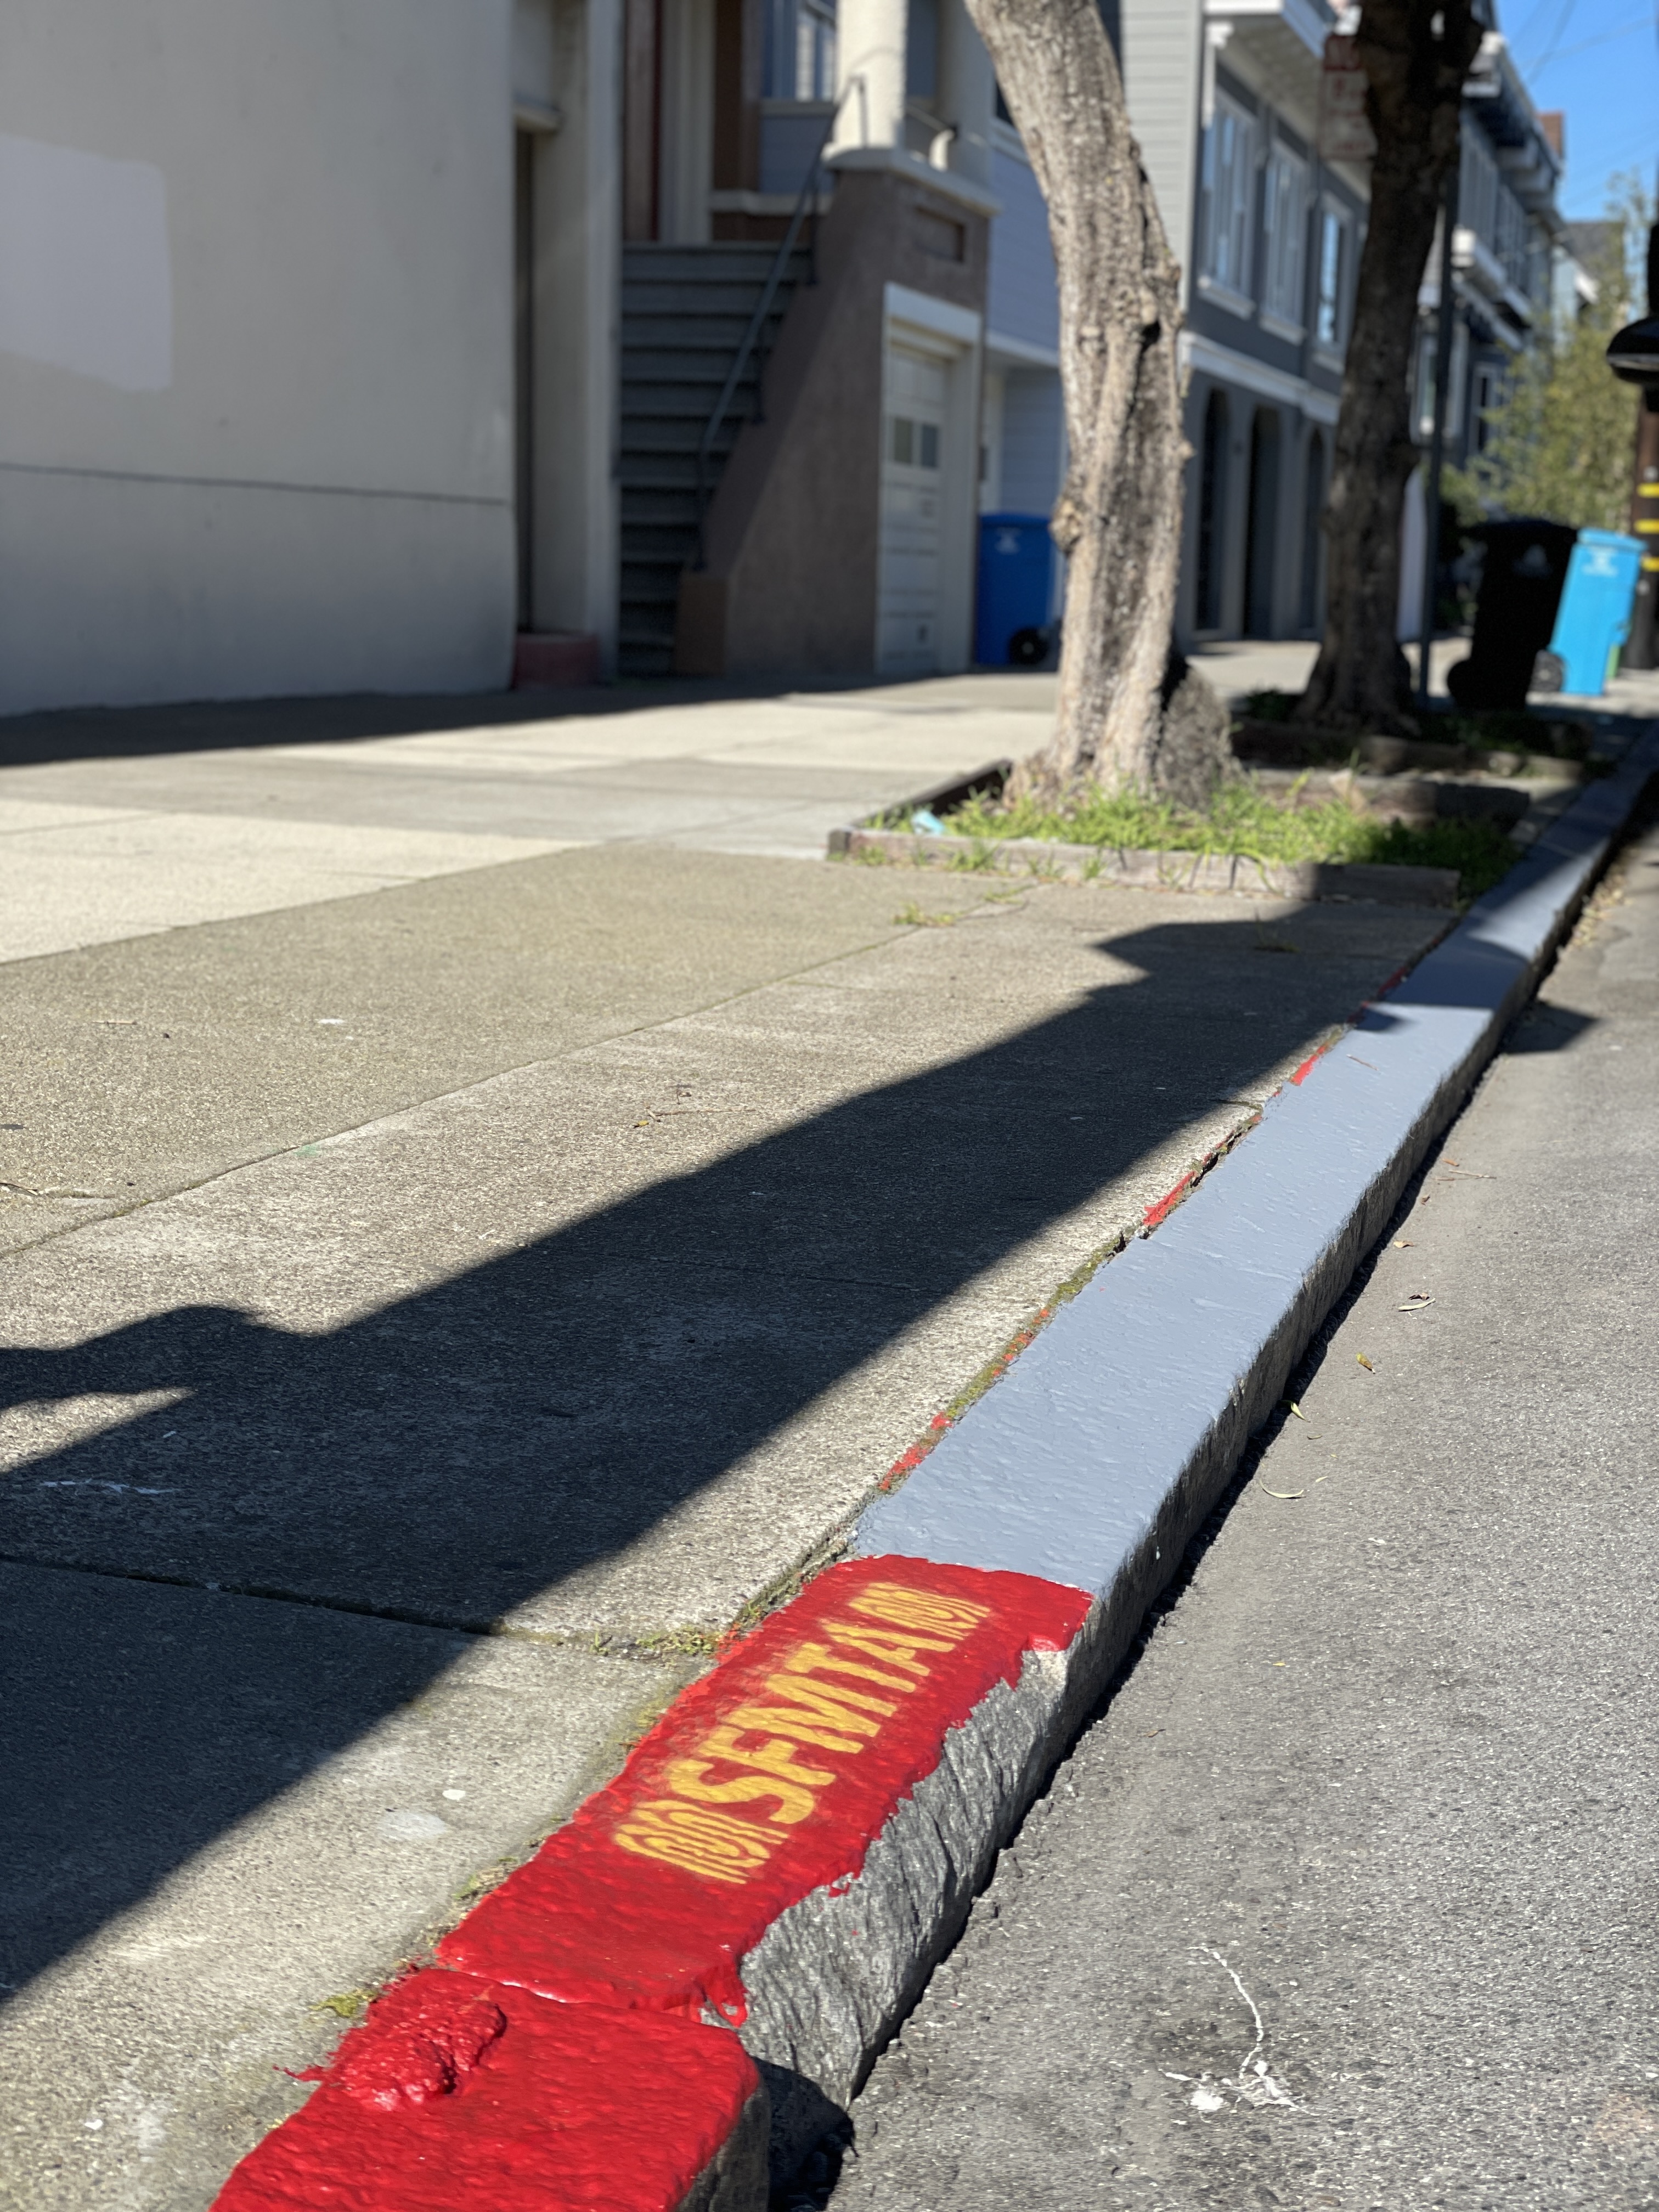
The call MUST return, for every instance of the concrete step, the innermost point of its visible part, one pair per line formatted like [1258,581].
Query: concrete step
[672,334]
[657,472]
[693,400]
[656,580]
[648,508]
[682,298]
[672,542]
[655,433]
[732,258]
[686,311]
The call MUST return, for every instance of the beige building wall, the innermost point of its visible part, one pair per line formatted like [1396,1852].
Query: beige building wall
[255,347]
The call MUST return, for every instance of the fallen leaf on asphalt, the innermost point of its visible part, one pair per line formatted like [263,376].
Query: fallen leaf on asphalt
[1451,1164]
[1364,1362]
[1296,1409]
[1416,1303]
[1402,1244]
[1281,1494]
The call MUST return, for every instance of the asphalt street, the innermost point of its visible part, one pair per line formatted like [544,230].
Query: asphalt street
[1347,1897]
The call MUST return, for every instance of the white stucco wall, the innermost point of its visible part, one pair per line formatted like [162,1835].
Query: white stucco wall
[255,347]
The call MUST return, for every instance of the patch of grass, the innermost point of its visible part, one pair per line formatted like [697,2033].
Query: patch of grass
[913,917]
[1242,819]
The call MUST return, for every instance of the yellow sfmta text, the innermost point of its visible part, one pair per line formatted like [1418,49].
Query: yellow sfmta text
[686,1829]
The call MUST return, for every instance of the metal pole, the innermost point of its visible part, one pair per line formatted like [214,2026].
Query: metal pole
[1436,448]
[1641,647]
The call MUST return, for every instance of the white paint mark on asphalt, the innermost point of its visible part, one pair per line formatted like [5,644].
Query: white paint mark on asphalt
[1253,2084]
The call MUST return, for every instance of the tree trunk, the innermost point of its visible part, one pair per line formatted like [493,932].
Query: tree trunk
[1414,101]
[1118,517]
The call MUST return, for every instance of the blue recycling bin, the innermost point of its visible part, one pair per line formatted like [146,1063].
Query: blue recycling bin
[1594,618]
[1016,588]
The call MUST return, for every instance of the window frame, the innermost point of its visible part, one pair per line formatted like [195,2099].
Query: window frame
[814,56]
[1239,174]
[1333,216]
[1284,275]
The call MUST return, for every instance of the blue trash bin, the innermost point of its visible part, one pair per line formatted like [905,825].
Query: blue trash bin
[1594,618]
[1016,587]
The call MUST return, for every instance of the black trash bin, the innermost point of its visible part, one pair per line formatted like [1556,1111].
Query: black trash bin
[1521,584]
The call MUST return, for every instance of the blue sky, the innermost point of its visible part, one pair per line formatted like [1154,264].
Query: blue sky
[1598,59]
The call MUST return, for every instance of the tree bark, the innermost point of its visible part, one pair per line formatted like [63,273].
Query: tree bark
[1118,518]
[1414,101]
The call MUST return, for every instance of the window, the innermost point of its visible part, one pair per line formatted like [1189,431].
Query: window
[1228,177]
[1285,221]
[1477,187]
[1335,252]
[815,49]
[913,444]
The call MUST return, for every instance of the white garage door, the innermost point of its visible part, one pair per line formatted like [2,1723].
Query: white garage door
[911,498]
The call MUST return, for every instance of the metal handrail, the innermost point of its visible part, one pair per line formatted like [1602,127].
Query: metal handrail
[808,194]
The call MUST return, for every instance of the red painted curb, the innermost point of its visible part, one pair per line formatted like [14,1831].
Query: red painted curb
[560,2054]
[1171,1197]
[457,2096]
[766,1780]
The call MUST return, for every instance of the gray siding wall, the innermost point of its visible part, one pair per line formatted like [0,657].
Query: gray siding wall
[1033,441]
[789,139]
[1024,302]
[1162,47]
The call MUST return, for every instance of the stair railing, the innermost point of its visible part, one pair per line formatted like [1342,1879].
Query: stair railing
[805,201]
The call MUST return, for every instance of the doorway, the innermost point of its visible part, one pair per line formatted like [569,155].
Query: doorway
[1313,513]
[1211,510]
[1261,525]
[912,520]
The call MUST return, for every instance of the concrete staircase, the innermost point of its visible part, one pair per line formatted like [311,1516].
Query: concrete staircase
[685,311]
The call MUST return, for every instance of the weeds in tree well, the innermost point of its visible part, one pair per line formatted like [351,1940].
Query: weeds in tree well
[1241,819]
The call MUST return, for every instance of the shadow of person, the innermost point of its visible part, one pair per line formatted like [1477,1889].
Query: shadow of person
[488,1438]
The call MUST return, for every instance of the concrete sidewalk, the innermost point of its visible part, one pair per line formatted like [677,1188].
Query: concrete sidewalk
[1345,1899]
[113,826]
[435,1309]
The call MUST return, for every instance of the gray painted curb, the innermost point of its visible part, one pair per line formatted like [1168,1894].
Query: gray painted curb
[1099,1451]
[1096,1457]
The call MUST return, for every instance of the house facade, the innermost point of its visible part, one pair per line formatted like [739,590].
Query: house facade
[257,407]
[1225,101]
[1512,258]
[402,345]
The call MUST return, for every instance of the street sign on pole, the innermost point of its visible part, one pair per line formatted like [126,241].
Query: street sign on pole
[1344,130]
